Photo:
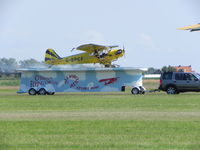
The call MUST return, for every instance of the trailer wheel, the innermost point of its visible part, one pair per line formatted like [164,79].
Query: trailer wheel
[135,91]
[42,91]
[50,93]
[32,91]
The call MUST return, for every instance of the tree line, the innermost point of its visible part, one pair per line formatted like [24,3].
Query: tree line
[9,65]
[152,70]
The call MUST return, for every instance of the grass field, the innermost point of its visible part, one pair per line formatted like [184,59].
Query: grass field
[7,82]
[103,121]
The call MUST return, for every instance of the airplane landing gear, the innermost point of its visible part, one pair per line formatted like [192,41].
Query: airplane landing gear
[112,66]
[107,66]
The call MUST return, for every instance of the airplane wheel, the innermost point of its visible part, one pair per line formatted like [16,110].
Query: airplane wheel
[42,91]
[107,66]
[113,66]
[32,91]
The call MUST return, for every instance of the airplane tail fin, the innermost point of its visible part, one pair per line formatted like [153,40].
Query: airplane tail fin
[51,55]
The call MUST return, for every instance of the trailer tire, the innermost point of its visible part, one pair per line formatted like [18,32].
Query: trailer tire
[135,91]
[32,91]
[50,93]
[42,91]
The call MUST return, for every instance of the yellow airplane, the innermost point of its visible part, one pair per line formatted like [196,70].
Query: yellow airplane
[195,27]
[93,53]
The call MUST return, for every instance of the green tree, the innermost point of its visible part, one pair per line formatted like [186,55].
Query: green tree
[168,69]
[28,63]
[8,64]
[152,70]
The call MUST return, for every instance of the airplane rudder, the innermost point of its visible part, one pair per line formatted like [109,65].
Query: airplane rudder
[51,54]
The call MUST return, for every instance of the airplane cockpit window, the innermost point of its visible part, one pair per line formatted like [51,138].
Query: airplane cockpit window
[118,52]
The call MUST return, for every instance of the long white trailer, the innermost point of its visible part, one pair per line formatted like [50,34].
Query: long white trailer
[48,81]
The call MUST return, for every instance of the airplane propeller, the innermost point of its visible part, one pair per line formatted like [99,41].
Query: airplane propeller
[124,51]
[73,49]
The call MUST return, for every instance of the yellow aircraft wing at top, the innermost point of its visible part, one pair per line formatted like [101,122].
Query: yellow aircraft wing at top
[90,48]
[195,27]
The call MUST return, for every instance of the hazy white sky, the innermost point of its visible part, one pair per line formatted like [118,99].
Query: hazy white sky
[147,29]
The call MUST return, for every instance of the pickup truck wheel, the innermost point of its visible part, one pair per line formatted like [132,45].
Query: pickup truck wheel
[32,91]
[42,91]
[171,90]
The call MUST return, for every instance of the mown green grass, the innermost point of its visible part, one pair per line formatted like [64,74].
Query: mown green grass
[106,134]
[7,82]
[87,121]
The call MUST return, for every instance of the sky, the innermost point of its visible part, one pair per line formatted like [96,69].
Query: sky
[146,28]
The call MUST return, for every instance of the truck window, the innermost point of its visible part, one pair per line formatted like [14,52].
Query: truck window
[167,76]
[181,76]
[188,76]
[192,77]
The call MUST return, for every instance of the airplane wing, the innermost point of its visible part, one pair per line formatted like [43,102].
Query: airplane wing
[90,48]
[195,27]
